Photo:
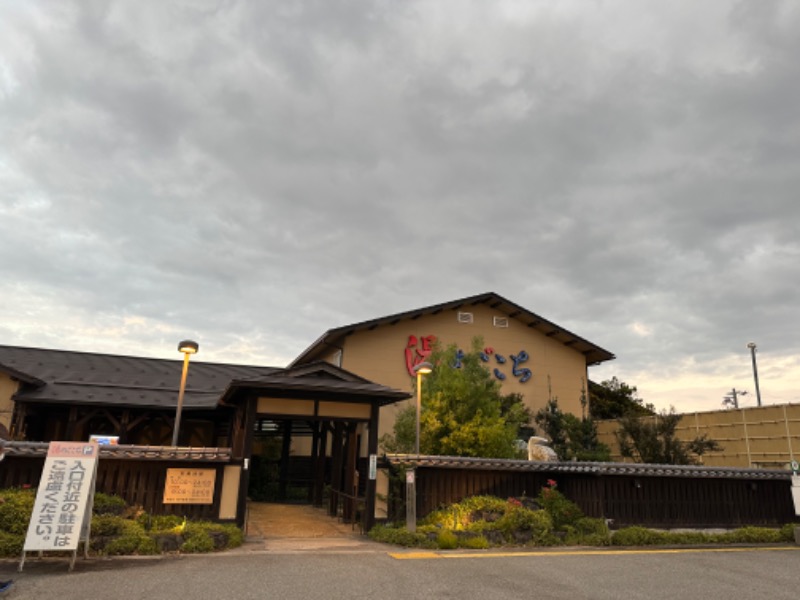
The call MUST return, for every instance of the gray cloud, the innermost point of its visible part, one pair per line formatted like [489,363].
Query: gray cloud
[256,174]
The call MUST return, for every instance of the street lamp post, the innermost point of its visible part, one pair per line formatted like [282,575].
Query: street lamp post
[188,347]
[421,369]
[752,346]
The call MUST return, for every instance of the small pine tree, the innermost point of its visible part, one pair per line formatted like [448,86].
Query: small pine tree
[464,412]
[653,440]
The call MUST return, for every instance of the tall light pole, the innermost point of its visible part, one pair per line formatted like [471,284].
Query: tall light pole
[421,369]
[752,346]
[188,347]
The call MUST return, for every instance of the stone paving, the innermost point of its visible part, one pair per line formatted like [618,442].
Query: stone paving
[300,528]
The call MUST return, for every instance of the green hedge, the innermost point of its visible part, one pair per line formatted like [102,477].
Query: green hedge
[547,520]
[118,528]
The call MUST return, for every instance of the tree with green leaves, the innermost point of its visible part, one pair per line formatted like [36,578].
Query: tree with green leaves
[652,439]
[464,412]
[613,399]
[572,437]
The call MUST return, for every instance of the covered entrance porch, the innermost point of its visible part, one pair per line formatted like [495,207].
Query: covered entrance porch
[307,436]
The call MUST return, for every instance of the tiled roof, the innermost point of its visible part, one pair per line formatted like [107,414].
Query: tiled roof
[592,468]
[594,354]
[60,376]
[336,387]
[126,452]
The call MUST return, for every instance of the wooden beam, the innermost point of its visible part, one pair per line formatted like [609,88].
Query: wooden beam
[337,452]
[286,448]
[372,448]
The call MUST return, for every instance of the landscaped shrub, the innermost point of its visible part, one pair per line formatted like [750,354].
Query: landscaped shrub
[400,536]
[118,529]
[587,532]
[107,504]
[473,542]
[113,535]
[637,536]
[198,540]
[562,511]
[447,540]
[787,532]
[470,510]
[524,526]
[750,535]
[640,536]
[108,525]
[11,544]
[16,506]
[160,522]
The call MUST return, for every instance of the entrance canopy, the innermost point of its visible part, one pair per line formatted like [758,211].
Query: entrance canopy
[332,410]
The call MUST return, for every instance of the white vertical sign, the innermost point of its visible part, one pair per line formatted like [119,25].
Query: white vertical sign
[373,466]
[62,511]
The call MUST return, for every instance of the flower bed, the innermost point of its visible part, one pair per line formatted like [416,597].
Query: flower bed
[550,519]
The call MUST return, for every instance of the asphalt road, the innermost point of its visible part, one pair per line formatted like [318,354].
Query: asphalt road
[379,573]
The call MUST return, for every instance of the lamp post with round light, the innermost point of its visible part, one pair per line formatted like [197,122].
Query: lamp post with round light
[752,346]
[188,347]
[423,368]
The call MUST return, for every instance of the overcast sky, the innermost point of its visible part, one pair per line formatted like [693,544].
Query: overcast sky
[251,174]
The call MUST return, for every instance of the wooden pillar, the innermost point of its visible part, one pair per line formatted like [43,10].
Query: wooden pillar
[124,426]
[337,451]
[72,420]
[244,450]
[372,449]
[18,421]
[315,427]
[351,453]
[286,448]
[319,466]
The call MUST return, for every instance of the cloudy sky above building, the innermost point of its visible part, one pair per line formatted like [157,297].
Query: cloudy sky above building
[252,174]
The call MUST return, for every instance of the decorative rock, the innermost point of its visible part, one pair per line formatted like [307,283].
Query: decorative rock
[538,450]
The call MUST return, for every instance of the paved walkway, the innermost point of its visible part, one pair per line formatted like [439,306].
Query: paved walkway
[299,528]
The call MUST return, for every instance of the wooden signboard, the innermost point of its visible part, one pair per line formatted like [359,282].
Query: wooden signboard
[189,486]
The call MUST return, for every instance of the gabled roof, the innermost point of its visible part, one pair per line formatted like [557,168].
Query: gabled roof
[63,376]
[594,354]
[331,388]
[67,377]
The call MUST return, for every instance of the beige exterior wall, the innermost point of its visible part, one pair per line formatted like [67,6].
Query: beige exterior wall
[379,355]
[229,496]
[766,436]
[8,387]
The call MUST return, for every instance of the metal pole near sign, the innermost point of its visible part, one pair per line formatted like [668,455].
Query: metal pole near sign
[411,500]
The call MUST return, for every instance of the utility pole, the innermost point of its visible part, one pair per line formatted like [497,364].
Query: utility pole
[732,399]
[753,347]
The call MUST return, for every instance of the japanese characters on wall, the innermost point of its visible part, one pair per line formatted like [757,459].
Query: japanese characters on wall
[59,517]
[189,486]
[418,350]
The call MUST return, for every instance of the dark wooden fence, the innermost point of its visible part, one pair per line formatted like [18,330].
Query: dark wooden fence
[649,495]
[136,474]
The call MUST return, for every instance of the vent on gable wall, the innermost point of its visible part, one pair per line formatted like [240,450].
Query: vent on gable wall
[464,317]
[500,321]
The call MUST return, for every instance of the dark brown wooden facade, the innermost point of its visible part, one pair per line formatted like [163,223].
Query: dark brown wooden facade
[134,473]
[648,495]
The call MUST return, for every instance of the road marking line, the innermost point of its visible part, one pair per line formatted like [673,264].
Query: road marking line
[437,555]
